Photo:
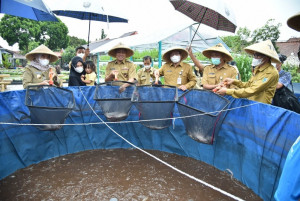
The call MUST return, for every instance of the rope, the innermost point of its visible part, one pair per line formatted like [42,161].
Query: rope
[125,122]
[161,161]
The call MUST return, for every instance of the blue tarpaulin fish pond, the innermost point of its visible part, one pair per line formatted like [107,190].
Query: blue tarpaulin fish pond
[252,141]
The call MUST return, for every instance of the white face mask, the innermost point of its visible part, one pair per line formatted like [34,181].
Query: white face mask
[256,62]
[79,69]
[175,58]
[80,55]
[44,62]
[274,64]
[147,67]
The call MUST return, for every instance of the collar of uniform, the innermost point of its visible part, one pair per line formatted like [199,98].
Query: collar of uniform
[262,68]
[180,65]
[144,69]
[123,62]
[224,66]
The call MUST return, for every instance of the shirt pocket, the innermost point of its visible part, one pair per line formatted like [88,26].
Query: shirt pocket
[125,72]
[211,78]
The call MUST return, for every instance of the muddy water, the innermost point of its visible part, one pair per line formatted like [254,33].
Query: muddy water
[120,174]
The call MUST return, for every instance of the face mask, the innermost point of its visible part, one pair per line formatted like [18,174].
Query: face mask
[80,55]
[215,61]
[256,62]
[79,69]
[175,58]
[274,64]
[147,67]
[44,62]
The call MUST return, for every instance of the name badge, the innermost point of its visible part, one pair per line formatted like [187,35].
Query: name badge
[179,80]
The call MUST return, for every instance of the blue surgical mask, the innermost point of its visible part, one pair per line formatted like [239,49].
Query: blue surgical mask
[215,61]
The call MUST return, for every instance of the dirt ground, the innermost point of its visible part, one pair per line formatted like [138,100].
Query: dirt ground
[119,174]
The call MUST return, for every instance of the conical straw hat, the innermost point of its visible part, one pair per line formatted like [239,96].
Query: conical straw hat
[264,47]
[294,22]
[112,51]
[218,48]
[42,49]
[167,53]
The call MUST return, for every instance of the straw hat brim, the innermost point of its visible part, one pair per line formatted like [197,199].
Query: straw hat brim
[294,22]
[226,54]
[166,56]
[112,52]
[265,48]
[42,49]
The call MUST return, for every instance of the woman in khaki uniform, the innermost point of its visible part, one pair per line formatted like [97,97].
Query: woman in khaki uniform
[262,85]
[38,70]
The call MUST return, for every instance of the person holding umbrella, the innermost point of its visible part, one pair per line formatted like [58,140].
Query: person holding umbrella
[120,69]
[38,71]
[176,72]
[213,75]
[262,85]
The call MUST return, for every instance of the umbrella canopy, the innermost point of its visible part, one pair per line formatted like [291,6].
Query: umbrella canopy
[215,14]
[88,10]
[34,9]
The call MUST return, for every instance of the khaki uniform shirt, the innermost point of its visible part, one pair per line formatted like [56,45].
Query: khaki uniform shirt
[145,77]
[214,76]
[126,70]
[33,76]
[183,73]
[92,76]
[261,86]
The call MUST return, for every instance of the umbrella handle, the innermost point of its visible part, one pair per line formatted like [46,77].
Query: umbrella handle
[88,45]
[197,28]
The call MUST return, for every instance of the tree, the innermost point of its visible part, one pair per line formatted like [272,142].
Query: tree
[68,54]
[268,31]
[18,30]
[76,42]
[54,35]
[103,35]
[23,31]
[239,41]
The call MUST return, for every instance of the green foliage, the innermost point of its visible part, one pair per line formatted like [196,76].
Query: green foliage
[199,56]
[31,46]
[68,54]
[18,30]
[238,42]
[104,58]
[243,62]
[139,55]
[76,42]
[54,35]
[242,38]
[294,70]
[23,31]
[268,31]
[5,60]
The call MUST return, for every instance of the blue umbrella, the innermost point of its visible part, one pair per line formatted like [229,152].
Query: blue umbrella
[34,9]
[87,10]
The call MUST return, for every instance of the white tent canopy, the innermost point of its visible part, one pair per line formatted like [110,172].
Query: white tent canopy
[173,36]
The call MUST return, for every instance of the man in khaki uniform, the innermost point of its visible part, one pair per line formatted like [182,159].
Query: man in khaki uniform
[146,75]
[37,72]
[176,72]
[262,85]
[214,75]
[120,69]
